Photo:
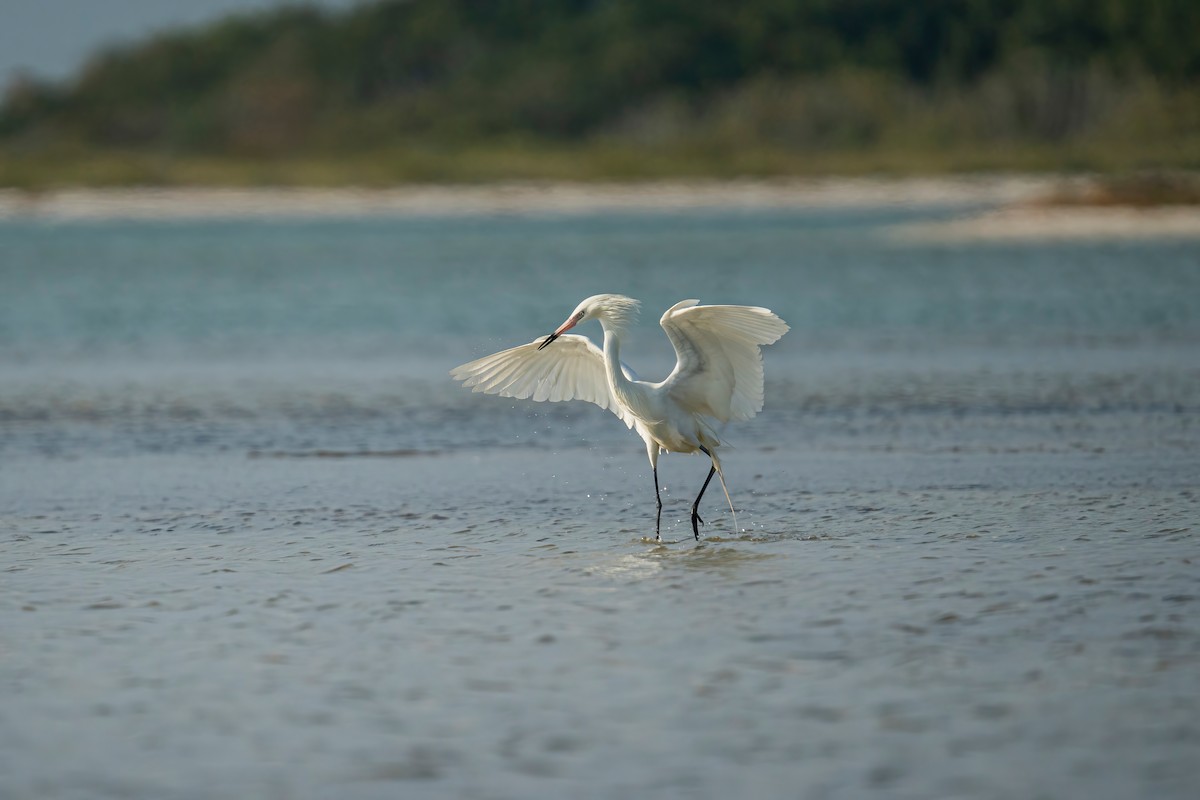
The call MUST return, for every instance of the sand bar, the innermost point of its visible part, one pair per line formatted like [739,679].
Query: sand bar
[513,198]
[1028,222]
[996,208]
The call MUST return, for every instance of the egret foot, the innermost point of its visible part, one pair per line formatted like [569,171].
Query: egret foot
[696,519]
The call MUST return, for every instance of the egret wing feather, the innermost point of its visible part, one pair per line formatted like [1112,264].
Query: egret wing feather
[719,371]
[572,368]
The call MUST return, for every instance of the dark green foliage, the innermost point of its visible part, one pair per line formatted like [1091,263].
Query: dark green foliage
[710,73]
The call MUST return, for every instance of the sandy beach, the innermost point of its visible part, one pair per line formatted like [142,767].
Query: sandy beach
[995,208]
[514,198]
[1032,222]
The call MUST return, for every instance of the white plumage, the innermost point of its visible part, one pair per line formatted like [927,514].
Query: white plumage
[572,370]
[718,375]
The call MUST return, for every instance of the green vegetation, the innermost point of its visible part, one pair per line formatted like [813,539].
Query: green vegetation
[468,90]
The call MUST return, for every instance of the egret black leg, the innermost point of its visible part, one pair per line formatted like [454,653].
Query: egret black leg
[658,500]
[696,514]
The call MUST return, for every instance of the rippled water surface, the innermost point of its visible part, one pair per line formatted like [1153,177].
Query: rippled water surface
[256,543]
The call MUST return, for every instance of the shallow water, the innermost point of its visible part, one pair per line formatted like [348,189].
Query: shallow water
[255,542]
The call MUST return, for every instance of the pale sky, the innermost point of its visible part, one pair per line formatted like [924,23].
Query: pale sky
[51,39]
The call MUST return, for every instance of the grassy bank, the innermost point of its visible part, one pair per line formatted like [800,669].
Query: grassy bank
[63,167]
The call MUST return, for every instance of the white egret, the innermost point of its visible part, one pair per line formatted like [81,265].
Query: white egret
[718,376]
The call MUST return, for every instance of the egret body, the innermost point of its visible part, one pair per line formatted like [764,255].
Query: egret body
[718,376]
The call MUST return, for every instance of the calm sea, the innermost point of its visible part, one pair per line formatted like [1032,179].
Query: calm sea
[177,337]
[255,542]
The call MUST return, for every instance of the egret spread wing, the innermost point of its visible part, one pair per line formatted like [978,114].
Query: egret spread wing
[720,370]
[572,368]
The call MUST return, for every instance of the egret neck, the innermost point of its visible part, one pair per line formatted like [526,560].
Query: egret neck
[625,390]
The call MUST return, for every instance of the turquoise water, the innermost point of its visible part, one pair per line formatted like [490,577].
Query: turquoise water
[383,288]
[255,542]
[352,325]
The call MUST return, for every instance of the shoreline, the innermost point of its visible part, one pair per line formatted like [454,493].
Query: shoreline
[996,208]
[1040,223]
[529,197]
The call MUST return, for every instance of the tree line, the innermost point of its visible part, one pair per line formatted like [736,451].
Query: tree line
[790,74]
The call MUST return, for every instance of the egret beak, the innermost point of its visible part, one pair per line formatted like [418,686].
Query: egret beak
[566,326]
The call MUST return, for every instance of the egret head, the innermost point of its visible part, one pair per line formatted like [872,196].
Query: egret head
[616,312]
